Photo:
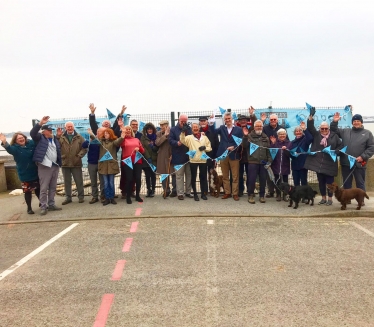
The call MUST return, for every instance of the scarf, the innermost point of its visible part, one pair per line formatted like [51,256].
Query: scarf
[205,129]
[324,139]
[198,136]
[152,137]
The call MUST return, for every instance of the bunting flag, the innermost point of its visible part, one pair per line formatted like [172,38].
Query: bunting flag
[224,155]
[95,141]
[330,152]
[106,156]
[237,140]
[252,147]
[138,156]
[110,114]
[286,123]
[141,126]
[128,162]
[204,156]
[234,116]
[273,152]
[293,152]
[153,167]
[347,108]
[308,106]
[222,110]
[163,176]
[344,150]
[191,153]
[299,119]
[352,161]
[177,167]
[311,153]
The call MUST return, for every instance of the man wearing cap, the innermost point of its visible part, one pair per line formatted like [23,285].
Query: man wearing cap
[360,144]
[47,156]
[213,139]
[163,158]
[72,151]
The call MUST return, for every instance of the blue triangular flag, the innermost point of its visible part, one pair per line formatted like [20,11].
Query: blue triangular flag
[141,126]
[177,167]
[237,140]
[347,108]
[310,152]
[293,152]
[352,161]
[110,114]
[222,110]
[138,156]
[191,153]
[273,152]
[344,150]
[204,156]
[299,119]
[332,153]
[308,106]
[327,149]
[153,167]
[252,147]
[224,155]
[234,116]
[106,156]
[163,176]
[128,162]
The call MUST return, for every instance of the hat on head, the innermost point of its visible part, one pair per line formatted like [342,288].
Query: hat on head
[47,128]
[203,118]
[243,117]
[163,122]
[357,117]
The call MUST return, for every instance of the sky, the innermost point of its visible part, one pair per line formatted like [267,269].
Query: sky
[56,57]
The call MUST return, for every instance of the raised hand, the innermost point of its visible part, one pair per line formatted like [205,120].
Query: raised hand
[2,138]
[120,122]
[263,117]
[123,110]
[251,110]
[272,139]
[167,131]
[59,132]
[303,126]
[44,120]
[245,131]
[92,108]
[336,117]
[89,130]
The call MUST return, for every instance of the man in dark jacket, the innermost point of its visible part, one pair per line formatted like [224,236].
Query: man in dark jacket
[360,144]
[47,156]
[213,138]
[105,123]
[179,157]
[231,162]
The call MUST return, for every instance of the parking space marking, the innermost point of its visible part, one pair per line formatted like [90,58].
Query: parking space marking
[210,222]
[35,252]
[134,227]
[118,270]
[104,309]
[127,245]
[370,233]
[138,211]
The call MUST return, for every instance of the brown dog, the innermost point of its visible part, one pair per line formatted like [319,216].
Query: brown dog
[345,196]
[215,183]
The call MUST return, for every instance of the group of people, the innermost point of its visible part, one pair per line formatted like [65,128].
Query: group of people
[164,151]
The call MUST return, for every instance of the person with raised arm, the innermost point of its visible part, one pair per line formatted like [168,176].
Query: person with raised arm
[105,123]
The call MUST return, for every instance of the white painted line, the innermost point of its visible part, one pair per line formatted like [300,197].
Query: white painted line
[35,252]
[362,228]
[210,222]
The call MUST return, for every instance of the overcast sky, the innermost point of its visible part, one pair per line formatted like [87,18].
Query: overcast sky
[155,56]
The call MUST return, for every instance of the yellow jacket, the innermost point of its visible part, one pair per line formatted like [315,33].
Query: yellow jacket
[194,144]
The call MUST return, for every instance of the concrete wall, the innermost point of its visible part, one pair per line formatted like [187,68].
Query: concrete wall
[3,185]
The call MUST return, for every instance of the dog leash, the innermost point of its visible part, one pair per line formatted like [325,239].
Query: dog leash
[348,176]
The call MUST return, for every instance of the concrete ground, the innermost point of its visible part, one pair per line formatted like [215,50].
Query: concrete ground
[238,265]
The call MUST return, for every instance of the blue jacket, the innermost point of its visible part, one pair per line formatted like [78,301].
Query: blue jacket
[42,144]
[178,153]
[93,153]
[226,140]
[302,145]
[26,167]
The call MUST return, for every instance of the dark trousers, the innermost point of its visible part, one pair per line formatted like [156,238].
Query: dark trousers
[202,175]
[173,183]
[255,170]
[323,180]
[300,177]
[279,179]
[270,184]
[150,178]
[358,174]
[243,167]
[122,183]
[132,175]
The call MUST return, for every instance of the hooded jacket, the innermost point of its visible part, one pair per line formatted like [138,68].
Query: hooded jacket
[150,147]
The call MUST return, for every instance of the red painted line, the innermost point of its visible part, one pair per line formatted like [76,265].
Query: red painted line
[127,245]
[138,211]
[134,227]
[117,273]
[104,309]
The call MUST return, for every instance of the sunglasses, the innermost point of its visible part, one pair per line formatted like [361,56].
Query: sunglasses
[324,129]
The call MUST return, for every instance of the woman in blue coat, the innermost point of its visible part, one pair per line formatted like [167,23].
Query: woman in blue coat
[22,150]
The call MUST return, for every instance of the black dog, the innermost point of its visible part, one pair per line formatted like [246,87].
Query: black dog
[298,193]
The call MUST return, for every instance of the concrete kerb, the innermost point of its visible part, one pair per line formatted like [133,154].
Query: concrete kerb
[336,214]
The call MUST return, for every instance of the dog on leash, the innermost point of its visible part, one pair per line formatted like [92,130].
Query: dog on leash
[298,193]
[345,196]
[215,183]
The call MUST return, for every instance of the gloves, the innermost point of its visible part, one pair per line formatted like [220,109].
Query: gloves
[202,148]
[185,128]
[312,111]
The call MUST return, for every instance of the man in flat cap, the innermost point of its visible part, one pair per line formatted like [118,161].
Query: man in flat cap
[360,144]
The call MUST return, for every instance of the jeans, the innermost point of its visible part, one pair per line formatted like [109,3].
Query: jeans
[109,186]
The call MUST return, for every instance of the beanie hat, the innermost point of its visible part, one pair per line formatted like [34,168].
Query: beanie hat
[357,117]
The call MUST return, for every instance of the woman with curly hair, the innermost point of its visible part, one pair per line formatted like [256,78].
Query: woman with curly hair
[22,149]
[109,168]
[148,141]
